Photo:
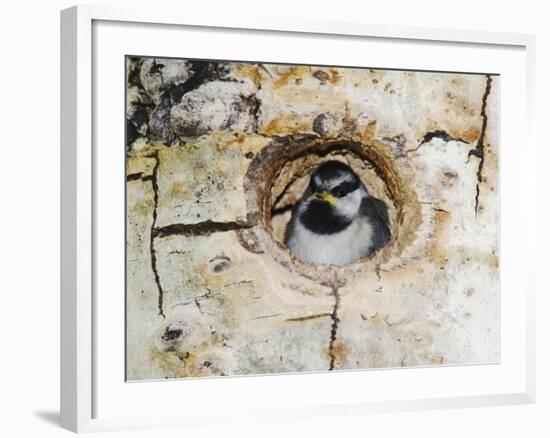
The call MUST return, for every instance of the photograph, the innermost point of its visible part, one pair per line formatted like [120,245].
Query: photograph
[291,218]
[294,219]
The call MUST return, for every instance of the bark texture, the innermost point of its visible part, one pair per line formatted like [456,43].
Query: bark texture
[217,153]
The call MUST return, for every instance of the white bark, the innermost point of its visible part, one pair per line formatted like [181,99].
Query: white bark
[210,289]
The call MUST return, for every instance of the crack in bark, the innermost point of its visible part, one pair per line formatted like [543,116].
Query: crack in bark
[200,228]
[429,136]
[272,315]
[152,251]
[235,283]
[479,150]
[307,318]
[334,327]
[138,176]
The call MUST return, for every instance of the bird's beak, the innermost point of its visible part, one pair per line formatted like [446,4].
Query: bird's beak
[324,196]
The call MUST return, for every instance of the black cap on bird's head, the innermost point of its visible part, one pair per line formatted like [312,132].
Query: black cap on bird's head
[334,170]
[333,179]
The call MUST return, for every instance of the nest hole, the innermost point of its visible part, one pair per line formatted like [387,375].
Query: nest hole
[278,176]
[292,180]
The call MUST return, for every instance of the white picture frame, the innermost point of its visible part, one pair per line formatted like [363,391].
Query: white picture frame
[79,178]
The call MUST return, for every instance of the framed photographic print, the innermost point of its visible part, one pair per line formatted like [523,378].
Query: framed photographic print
[252,209]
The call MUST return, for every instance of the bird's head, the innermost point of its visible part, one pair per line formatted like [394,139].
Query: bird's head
[332,199]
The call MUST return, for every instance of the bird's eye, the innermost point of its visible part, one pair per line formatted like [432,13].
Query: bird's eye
[339,193]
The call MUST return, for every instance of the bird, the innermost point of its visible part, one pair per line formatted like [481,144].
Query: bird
[336,221]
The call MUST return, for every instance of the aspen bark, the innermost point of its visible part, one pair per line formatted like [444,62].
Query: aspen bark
[216,154]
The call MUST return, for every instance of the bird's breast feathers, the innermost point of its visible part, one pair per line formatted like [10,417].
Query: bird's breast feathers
[340,248]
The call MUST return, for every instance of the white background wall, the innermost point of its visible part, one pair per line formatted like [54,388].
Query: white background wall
[29,218]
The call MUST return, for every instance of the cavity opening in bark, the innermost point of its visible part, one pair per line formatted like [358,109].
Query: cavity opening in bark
[294,177]
[278,175]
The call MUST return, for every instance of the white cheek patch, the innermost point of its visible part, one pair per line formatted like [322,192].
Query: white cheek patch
[349,205]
